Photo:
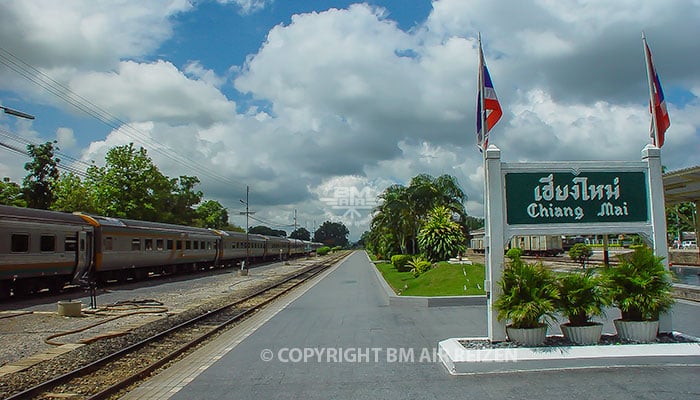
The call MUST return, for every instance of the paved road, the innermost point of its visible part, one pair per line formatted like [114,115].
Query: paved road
[361,338]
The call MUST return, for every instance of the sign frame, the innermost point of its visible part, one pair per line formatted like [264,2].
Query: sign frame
[498,231]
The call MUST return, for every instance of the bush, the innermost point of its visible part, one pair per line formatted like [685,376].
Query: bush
[582,295]
[337,248]
[322,251]
[400,261]
[580,253]
[419,265]
[640,286]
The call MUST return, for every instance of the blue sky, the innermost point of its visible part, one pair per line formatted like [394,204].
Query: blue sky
[307,101]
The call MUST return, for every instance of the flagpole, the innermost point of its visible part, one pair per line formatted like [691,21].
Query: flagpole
[482,105]
[652,102]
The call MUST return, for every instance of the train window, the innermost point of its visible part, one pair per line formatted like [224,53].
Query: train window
[20,243]
[202,245]
[135,244]
[211,245]
[70,243]
[188,245]
[179,244]
[159,244]
[196,245]
[47,243]
[170,244]
[108,243]
[148,244]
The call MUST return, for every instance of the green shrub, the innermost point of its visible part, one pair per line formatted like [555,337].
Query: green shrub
[419,265]
[582,295]
[322,251]
[400,261]
[337,248]
[580,252]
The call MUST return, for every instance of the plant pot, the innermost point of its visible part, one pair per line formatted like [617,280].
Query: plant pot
[587,334]
[527,336]
[637,331]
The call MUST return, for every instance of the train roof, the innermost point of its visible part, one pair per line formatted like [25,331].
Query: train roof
[33,214]
[136,224]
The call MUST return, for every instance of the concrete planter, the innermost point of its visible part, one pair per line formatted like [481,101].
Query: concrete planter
[589,334]
[529,336]
[637,331]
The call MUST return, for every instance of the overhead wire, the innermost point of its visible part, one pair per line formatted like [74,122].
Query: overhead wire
[64,93]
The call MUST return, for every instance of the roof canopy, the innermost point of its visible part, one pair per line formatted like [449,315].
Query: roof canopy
[682,186]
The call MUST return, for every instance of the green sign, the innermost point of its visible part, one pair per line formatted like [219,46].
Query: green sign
[558,198]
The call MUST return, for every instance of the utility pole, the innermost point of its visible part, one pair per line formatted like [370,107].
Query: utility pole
[244,270]
[295,220]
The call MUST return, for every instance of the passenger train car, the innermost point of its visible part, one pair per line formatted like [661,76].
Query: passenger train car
[532,245]
[42,249]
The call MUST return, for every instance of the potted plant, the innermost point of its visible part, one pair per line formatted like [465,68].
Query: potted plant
[582,295]
[641,288]
[529,295]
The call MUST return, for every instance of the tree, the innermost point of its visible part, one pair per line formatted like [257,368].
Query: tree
[11,194]
[580,253]
[72,194]
[38,185]
[301,234]
[181,201]
[267,231]
[441,238]
[332,234]
[129,185]
[211,214]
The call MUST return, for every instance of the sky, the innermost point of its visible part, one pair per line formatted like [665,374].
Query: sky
[318,106]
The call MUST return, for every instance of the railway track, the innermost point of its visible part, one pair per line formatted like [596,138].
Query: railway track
[113,372]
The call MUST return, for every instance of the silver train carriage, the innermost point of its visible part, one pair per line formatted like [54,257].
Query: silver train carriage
[42,249]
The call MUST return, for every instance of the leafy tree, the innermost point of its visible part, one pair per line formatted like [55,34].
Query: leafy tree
[179,205]
[267,231]
[441,238]
[580,252]
[38,185]
[72,194]
[11,194]
[301,234]
[680,218]
[332,234]
[211,214]
[129,185]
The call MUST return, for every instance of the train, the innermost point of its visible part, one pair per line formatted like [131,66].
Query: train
[532,245]
[41,249]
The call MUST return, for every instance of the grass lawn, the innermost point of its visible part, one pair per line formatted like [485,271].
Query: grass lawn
[442,280]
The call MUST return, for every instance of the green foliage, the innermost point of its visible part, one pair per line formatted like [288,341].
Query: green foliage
[514,253]
[38,185]
[580,253]
[129,185]
[403,211]
[336,248]
[419,265]
[529,294]
[71,194]
[582,296]
[11,194]
[267,231]
[322,251]
[640,286]
[301,234]
[211,214]
[332,234]
[400,262]
[441,238]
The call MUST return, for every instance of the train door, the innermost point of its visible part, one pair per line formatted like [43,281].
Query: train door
[83,256]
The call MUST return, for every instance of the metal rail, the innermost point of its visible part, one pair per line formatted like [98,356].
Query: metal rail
[96,365]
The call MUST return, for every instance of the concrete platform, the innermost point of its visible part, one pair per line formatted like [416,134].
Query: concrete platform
[341,339]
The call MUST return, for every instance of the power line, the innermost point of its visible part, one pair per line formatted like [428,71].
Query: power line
[64,93]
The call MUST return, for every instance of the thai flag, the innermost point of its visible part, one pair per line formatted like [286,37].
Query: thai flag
[657,103]
[486,101]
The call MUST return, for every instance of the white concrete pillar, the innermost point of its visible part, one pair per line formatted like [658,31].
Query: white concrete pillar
[493,241]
